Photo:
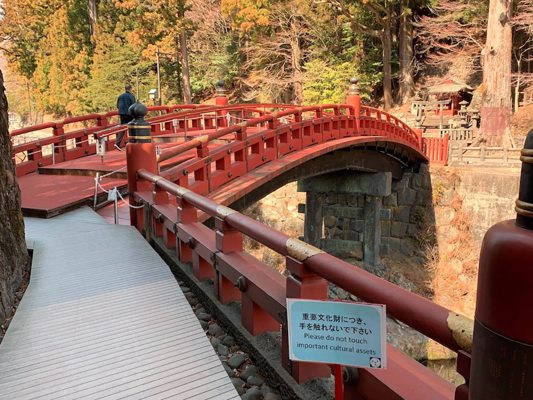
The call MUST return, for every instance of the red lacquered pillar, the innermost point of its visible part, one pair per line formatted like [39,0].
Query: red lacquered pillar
[221,99]
[140,154]
[502,354]
[354,99]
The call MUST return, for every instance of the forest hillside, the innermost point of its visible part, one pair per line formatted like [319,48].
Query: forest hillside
[70,57]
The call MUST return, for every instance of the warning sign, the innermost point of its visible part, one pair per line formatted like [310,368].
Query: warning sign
[337,333]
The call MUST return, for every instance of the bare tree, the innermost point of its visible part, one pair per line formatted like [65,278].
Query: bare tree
[184,53]
[522,22]
[92,11]
[275,60]
[451,31]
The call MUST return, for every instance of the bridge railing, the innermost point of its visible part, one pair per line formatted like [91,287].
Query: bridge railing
[210,118]
[171,212]
[375,122]
[197,165]
[65,140]
[294,127]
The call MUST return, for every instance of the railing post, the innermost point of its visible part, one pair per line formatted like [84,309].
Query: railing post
[159,197]
[186,214]
[302,284]
[354,99]
[221,99]
[60,148]
[102,121]
[140,154]
[241,134]
[445,151]
[503,331]
[228,240]
[273,123]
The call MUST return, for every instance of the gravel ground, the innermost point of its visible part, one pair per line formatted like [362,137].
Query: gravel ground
[245,376]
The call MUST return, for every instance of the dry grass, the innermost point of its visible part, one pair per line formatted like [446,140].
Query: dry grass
[453,260]
[522,122]
[279,211]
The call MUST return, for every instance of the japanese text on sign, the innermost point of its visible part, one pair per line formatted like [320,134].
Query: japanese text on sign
[337,332]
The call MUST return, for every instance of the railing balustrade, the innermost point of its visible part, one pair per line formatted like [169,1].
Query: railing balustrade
[484,155]
[281,132]
[171,212]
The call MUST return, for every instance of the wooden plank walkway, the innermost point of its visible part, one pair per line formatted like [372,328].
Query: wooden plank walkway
[103,317]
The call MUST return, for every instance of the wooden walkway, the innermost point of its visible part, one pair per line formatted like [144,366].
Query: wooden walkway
[103,317]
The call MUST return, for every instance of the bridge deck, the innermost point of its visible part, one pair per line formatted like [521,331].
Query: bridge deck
[48,195]
[104,317]
[66,185]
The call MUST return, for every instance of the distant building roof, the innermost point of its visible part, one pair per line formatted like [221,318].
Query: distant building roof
[450,86]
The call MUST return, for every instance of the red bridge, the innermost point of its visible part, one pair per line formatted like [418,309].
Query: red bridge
[190,163]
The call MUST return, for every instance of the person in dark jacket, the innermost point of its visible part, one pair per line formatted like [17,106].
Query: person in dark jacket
[124,101]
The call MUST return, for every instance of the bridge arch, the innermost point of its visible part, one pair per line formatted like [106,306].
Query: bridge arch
[364,169]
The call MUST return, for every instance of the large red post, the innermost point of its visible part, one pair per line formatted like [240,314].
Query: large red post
[354,99]
[502,354]
[302,283]
[140,154]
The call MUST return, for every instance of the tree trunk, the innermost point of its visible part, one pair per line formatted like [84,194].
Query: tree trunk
[184,54]
[386,41]
[296,53]
[179,84]
[407,84]
[187,98]
[496,57]
[93,19]
[13,253]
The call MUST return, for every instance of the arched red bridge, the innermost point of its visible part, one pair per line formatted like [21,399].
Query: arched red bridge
[187,164]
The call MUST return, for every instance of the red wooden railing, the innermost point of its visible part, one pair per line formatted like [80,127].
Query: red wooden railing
[172,194]
[172,213]
[66,141]
[63,144]
[174,210]
[260,140]
[436,149]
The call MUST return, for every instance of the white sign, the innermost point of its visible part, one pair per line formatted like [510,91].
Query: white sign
[337,333]
[100,146]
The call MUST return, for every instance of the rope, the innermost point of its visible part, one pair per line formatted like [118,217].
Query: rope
[238,118]
[128,204]
[112,172]
[35,152]
[119,195]
[100,186]
[65,145]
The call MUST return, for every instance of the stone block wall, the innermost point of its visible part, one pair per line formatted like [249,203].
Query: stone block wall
[403,213]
